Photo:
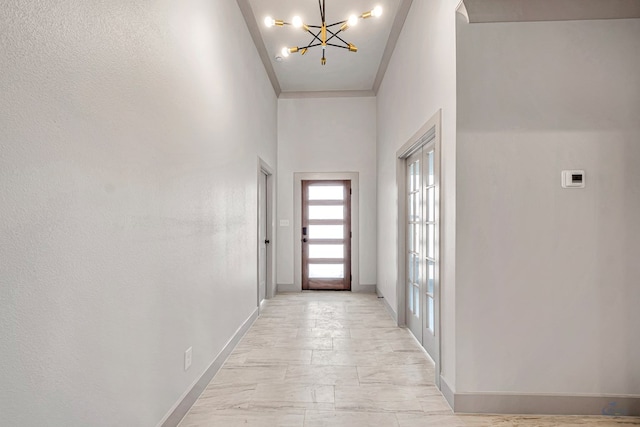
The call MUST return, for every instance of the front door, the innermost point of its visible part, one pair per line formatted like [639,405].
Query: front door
[326,235]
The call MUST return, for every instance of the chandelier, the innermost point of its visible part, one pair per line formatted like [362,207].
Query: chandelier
[323,34]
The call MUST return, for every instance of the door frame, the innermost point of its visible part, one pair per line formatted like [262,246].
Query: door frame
[298,177]
[264,168]
[345,203]
[430,131]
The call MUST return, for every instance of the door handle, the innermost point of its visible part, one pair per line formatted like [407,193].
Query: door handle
[304,240]
[266,242]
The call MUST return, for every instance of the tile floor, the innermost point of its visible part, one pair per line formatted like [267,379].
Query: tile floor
[336,359]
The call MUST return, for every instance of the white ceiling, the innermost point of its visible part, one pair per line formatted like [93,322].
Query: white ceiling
[361,73]
[344,71]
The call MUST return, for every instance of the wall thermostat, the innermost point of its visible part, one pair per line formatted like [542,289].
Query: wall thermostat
[573,179]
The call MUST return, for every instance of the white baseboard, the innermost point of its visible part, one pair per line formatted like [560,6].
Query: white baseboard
[508,403]
[539,404]
[288,287]
[367,289]
[447,391]
[186,401]
[387,306]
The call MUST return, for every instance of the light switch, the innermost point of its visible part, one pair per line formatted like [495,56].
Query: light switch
[573,179]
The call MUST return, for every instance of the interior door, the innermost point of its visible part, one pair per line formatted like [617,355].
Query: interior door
[422,254]
[263,239]
[414,251]
[430,279]
[326,235]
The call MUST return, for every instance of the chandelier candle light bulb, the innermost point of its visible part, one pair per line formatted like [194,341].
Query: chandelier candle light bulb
[351,22]
[270,22]
[297,22]
[323,35]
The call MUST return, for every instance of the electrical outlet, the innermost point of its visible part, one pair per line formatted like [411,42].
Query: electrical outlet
[187,358]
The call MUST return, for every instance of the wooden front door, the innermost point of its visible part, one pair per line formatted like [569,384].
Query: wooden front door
[326,235]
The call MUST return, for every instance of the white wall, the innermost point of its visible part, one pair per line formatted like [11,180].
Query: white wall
[547,279]
[129,136]
[420,80]
[326,135]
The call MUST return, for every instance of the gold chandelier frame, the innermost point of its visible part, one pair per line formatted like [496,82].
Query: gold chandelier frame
[323,34]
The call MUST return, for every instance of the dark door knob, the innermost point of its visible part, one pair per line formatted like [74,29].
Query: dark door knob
[266,242]
[304,240]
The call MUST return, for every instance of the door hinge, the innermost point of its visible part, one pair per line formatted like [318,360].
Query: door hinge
[350,191]
[351,234]
[350,278]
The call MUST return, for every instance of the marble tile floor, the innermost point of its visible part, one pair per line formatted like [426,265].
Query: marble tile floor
[337,359]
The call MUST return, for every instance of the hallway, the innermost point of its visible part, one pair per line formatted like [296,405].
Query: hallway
[337,359]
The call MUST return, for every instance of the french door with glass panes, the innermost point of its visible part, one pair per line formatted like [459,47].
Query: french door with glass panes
[326,235]
[422,247]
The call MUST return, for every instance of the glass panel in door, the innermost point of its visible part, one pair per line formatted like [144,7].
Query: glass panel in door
[430,224]
[414,254]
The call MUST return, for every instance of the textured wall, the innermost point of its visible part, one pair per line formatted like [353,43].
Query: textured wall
[547,280]
[327,135]
[127,202]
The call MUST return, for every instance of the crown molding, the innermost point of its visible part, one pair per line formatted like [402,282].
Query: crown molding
[327,94]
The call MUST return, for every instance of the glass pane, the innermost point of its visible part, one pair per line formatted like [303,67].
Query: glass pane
[411,172]
[410,288]
[326,271]
[326,231]
[326,251]
[416,176]
[416,236]
[412,207]
[430,156]
[410,243]
[431,241]
[431,276]
[326,212]
[326,192]
[431,208]
[410,268]
[416,299]
[416,268]
[431,314]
